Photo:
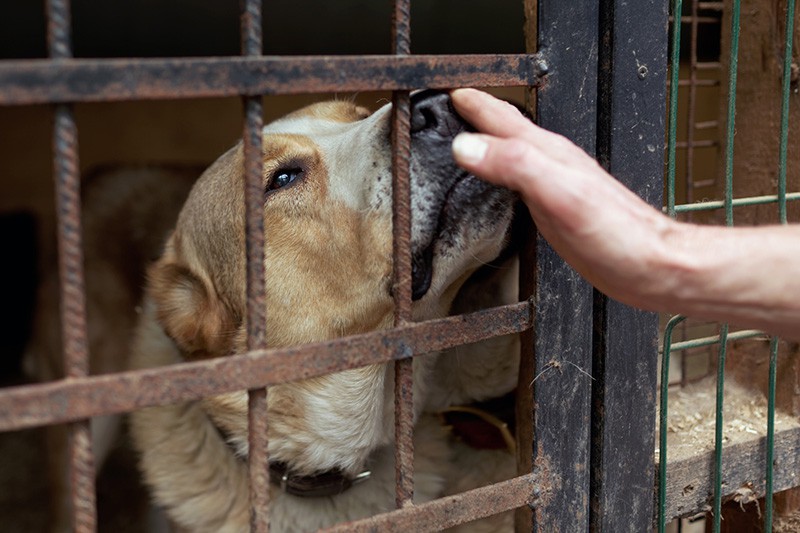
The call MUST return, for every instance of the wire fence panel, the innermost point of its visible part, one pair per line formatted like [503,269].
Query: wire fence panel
[725,481]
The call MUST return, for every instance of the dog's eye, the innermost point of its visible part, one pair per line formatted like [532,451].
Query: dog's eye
[283,177]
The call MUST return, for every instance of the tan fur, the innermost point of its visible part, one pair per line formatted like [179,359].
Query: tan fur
[328,269]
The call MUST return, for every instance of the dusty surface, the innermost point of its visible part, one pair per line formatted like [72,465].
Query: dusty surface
[692,419]
[787,524]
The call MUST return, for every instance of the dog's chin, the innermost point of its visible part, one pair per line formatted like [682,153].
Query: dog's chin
[470,231]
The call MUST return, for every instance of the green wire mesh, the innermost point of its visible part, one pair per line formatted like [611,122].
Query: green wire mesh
[728,203]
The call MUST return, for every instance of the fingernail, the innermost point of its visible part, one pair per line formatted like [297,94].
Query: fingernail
[469,148]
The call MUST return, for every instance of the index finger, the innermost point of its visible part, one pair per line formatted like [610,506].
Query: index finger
[492,115]
[495,117]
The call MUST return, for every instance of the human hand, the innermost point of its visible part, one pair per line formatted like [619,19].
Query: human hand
[601,228]
[623,246]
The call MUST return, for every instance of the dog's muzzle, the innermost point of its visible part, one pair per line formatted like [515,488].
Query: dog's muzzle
[434,125]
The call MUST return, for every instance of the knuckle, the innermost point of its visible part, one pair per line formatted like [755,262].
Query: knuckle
[516,152]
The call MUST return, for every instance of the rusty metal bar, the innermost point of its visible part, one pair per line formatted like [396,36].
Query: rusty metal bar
[97,80]
[401,27]
[71,277]
[699,83]
[692,19]
[256,320]
[68,400]
[705,143]
[401,253]
[451,511]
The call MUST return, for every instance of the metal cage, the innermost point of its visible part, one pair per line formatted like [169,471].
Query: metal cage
[588,381]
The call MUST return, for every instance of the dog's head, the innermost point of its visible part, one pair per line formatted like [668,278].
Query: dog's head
[328,265]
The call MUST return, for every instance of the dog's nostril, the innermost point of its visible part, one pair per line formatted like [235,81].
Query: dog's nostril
[423,117]
[433,111]
[431,122]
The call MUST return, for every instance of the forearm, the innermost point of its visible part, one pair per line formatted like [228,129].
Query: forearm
[746,276]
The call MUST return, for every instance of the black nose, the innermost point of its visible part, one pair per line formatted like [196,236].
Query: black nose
[433,112]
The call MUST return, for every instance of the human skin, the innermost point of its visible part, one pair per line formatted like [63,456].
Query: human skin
[747,276]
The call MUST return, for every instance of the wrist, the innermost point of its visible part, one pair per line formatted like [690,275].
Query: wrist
[667,270]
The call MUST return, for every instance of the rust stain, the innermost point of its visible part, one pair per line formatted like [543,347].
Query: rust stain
[24,82]
[454,510]
[85,397]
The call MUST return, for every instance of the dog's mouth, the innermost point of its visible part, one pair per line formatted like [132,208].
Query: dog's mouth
[454,213]
[421,272]
[422,260]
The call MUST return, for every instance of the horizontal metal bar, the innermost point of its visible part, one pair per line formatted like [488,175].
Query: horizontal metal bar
[77,398]
[737,202]
[700,19]
[708,182]
[714,339]
[706,143]
[450,511]
[716,6]
[698,83]
[97,80]
[709,65]
[685,82]
[706,124]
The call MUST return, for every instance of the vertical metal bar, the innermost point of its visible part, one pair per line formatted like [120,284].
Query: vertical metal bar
[258,458]
[562,336]
[770,470]
[677,5]
[691,113]
[662,423]
[787,75]
[674,86]
[690,134]
[731,129]
[718,429]
[728,202]
[71,274]
[782,214]
[630,131]
[401,233]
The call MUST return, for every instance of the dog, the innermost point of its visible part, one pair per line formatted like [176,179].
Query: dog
[328,266]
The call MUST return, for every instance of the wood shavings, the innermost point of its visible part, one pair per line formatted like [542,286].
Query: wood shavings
[691,417]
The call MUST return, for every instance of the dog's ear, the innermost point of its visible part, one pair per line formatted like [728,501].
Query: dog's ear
[190,311]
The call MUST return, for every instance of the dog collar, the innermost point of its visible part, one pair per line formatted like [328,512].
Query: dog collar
[328,483]
[322,484]
[487,425]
